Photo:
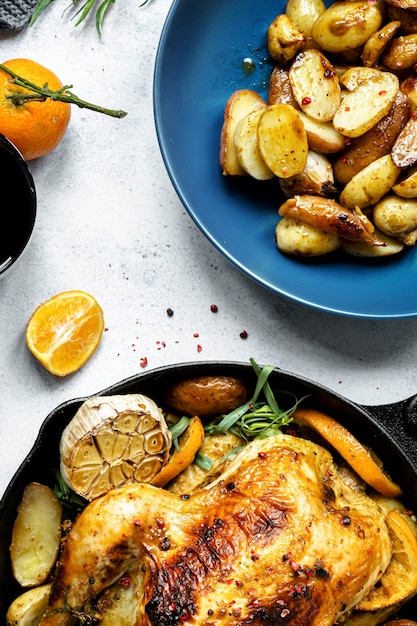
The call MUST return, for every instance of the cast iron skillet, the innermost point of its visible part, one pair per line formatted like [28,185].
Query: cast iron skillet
[390,430]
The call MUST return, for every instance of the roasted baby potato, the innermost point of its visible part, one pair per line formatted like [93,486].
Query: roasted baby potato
[346,25]
[206,395]
[374,144]
[401,52]
[284,39]
[299,238]
[397,217]
[377,43]
[303,13]
[36,535]
[26,609]
[240,103]
[315,85]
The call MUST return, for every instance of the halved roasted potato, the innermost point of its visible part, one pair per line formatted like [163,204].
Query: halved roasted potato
[239,104]
[366,105]
[282,140]
[322,136]
[357,248]
[36,535]
[247,148]
[315,85]
[369,185]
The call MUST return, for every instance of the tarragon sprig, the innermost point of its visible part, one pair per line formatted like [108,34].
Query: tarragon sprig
[255,419]
[40,94]
[83,11]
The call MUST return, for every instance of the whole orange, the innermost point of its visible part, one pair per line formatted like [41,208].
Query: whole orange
[35,127]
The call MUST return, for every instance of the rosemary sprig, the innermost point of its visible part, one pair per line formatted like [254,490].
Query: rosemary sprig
[83,12]
[40,94]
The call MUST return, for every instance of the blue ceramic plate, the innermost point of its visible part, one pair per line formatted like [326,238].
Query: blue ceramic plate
[200,62]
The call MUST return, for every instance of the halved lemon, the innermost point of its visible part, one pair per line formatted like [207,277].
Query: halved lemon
[365,464]
[65,331]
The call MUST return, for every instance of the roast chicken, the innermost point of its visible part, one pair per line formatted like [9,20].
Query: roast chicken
[279,538]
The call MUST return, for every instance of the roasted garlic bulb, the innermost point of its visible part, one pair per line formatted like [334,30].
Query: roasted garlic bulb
[113,440]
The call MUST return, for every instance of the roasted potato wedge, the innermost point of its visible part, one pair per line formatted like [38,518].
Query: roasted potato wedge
[284,39]
[366,105]
[299,238]
[397,217]
[374,144]
[346,25]
[206,395]
[304,13]
[401,53]
[247,148]
[282,140]
[240,103]
[377,43]
[315,85]
[407,186]
[36,535]
[369,185]
[279,89]
[404,150]
[322,136]
[27,609]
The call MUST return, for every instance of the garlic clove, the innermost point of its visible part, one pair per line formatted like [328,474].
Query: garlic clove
[111,441]
[316,178]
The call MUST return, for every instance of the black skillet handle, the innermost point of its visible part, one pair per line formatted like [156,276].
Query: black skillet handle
[400,421]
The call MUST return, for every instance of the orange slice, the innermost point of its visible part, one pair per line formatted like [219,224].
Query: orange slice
[355,454]
[65,331]
[189,443]
[399,581]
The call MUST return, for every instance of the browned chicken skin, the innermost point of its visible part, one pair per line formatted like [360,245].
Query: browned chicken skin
[278,539]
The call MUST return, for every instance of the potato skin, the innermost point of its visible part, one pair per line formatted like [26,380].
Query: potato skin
[374,144]
[206,395]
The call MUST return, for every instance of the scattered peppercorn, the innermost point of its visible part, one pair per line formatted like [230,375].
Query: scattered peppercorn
[170,312]
[244,334]
[214,308]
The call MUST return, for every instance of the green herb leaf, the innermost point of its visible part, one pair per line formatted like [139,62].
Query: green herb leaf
[177,429]
[71,503]
[203,461]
